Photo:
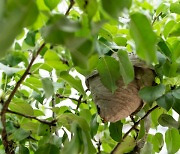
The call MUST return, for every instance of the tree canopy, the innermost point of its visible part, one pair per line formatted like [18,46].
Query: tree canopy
[49,47]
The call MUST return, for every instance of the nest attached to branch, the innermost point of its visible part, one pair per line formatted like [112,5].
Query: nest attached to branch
[125,100]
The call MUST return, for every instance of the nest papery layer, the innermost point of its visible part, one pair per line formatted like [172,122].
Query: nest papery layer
[118,105]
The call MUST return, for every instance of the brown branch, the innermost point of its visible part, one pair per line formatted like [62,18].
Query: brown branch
[50,123]
[133,127]
[70,6]
[6,143]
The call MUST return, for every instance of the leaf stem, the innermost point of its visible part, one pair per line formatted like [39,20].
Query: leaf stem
[133,127]
[69,8]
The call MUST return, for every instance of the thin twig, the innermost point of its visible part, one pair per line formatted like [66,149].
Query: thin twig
[70,6]
[156,17]
[50,123]
[7,144]
[133,127]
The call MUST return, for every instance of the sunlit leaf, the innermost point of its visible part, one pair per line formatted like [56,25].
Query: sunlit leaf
[51,4]
[144,37]
[48,149]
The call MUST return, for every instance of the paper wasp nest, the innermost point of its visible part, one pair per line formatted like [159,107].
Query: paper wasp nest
[125,100]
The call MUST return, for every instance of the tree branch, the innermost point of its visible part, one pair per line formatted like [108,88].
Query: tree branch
[50,123]
[133,127]
[6,143]
[70,6]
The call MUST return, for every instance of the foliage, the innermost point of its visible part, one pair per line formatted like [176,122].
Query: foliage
[47,47]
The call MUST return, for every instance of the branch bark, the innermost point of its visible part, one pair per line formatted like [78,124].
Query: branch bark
[50,123]
[69,8]
[7,144]
[133,127]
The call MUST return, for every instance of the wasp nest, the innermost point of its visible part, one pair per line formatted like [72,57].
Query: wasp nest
[125,100]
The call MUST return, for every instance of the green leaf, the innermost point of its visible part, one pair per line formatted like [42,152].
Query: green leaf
[19,135]
[172,139]
[80,49]
[61,26]
[176,105]
[21,106]
[142,130]
[162,8]
[75,83]
[67,119]
[121,41]
[126,146]
[168,27]
[52,59]
[168,121]
[175,31]
[48,149]
[43,129]
[51,4]
[166,101]
[144,37]
[23,150]
[115,130]
[48,87]
[9,70]
[147,149]
[158,142]
[30,38]
[164,48]
[126,67]
[115,7]
[150,94]
[176,93]
[88,6]
[94,125]
[155,115]
[108,69]
[175,8]
[20,14]
[75,143]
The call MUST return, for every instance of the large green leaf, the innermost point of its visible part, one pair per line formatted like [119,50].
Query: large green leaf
[19,135]
[144,37]
[48,149]
[175,7]
[151,93]
[20,14]
[51,4]
[48,87]
[75,83]
[172,139]
[115,7]
[115,130]
[168,27]
[158,142]
[21,107]
[168,121]
[108,69]
[126,67]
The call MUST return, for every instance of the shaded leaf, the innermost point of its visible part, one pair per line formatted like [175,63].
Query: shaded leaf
[150,94]
[115,7]
[126,67]
[19,135]
[108,69]
[158,142]
[48,149]
[115,130]
[147,148]
[168,121]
